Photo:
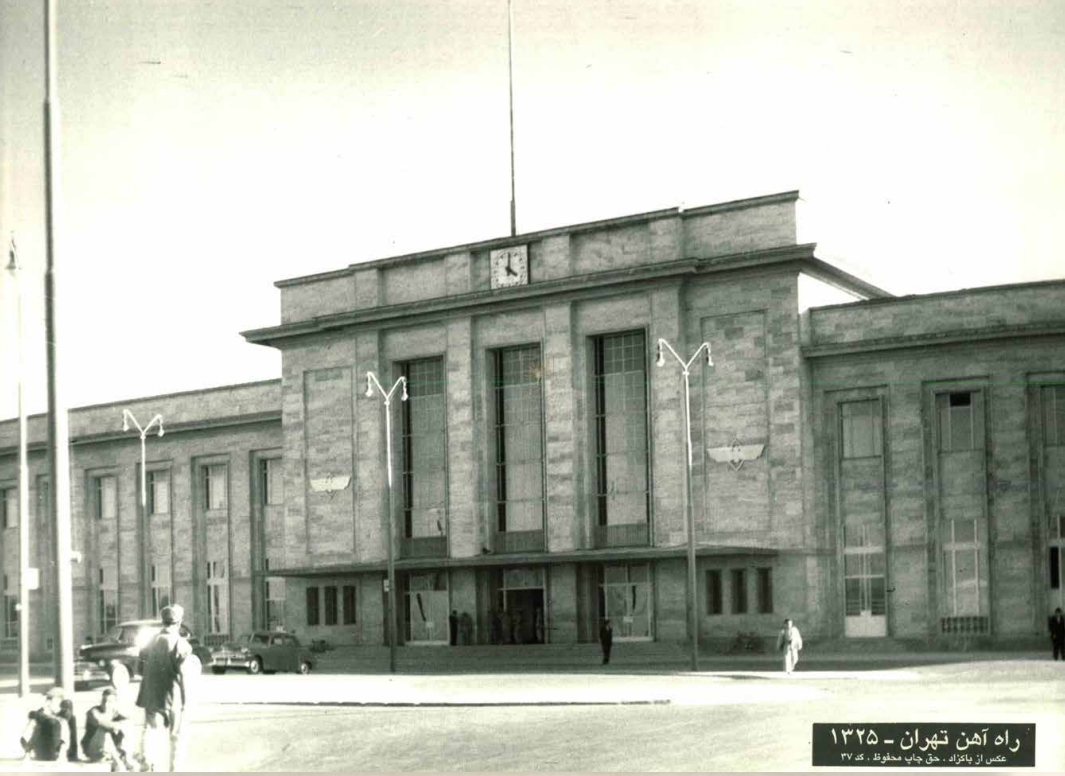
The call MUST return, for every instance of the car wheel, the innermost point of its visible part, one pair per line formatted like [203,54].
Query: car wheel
[119,676]
[305,667]
[255,666]
[218,670]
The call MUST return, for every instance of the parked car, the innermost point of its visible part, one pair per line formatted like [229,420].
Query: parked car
[263,652]
[117,659]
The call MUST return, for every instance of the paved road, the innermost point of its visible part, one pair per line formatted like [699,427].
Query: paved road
[666,721]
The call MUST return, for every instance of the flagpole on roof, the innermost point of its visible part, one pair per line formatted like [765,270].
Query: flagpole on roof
[510,89]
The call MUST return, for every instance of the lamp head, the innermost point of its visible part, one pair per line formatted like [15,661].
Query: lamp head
[369,386]
[661,360]
[125,423]
[709,361]
[160,429]
[403,396]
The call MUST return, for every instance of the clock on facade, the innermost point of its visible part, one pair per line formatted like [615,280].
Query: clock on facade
[510,266]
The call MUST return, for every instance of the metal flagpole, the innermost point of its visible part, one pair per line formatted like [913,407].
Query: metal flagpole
[23,494]
[58,436]
[510,88]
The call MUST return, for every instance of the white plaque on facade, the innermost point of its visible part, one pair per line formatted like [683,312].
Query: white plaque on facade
[330,484]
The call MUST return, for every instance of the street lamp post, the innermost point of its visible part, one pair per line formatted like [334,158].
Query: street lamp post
[127,418]
[371,383]
[693,622]
[23,495]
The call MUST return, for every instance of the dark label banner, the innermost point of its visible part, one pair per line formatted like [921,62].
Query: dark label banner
[924,744]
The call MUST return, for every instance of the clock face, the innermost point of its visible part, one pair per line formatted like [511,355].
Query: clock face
[510,266]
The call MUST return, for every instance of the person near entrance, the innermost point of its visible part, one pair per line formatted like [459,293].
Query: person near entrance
[790,643]
[453,627]
[1057,634]
[606,639]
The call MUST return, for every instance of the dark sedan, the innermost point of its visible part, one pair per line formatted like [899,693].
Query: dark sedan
[263,652]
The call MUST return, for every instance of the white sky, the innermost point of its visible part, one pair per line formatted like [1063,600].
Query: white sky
[211,148]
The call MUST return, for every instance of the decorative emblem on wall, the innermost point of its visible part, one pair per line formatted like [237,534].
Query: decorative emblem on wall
[735,455]
[330,484]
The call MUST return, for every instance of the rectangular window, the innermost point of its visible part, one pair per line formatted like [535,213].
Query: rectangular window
[274,597]
[739,591]
[107,600]
[273,481]
[158,494]
[519,451]
[217,597]
[713,592]
[10,610]
[765,591]
[424,449]
[960,421]
[1054,415]
[861,428]
[350,612]
[965,568]
[1055,568]
[160,586]
[620,411]
[312,605]
[9,507]
[106,490]
[214,486]
[330,604]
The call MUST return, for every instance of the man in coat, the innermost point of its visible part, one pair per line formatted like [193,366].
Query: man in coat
[163,693]
[1057,634]
[606,639]
[790,643]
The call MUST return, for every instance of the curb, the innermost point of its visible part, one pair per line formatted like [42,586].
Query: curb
[441,704]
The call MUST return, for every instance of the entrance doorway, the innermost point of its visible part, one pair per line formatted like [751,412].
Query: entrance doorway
[520,599]
[864,581]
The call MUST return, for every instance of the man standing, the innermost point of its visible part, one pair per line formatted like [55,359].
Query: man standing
[790,642]
[162,693]
[1057,634]
[606,639]
[453,627]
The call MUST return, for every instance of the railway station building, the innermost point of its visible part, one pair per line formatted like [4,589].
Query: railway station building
[869,465]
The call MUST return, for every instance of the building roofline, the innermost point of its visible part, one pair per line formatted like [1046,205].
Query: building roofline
[190,392]
[586,226]
[574,284]
[941,294]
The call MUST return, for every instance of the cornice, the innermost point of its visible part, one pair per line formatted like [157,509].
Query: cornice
[564,288]
[518,559]
[935,339]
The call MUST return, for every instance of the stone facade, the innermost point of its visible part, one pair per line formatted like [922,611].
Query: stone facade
[899,476]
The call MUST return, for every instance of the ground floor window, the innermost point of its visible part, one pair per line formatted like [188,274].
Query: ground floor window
[217,598]
[273,600]
[625,595]
[312,605]
[1055,557]
[713,592]
[107,600]
[160,586]
[11,610]
[349,605]
[427,608]
[864,580]
[330,604]
[519,617]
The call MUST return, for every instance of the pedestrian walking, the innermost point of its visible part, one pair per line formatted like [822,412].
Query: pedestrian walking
[46,735]
[606,639]
[106,734]
[790,643]
[162,693]
[1057,634]
[453,627]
